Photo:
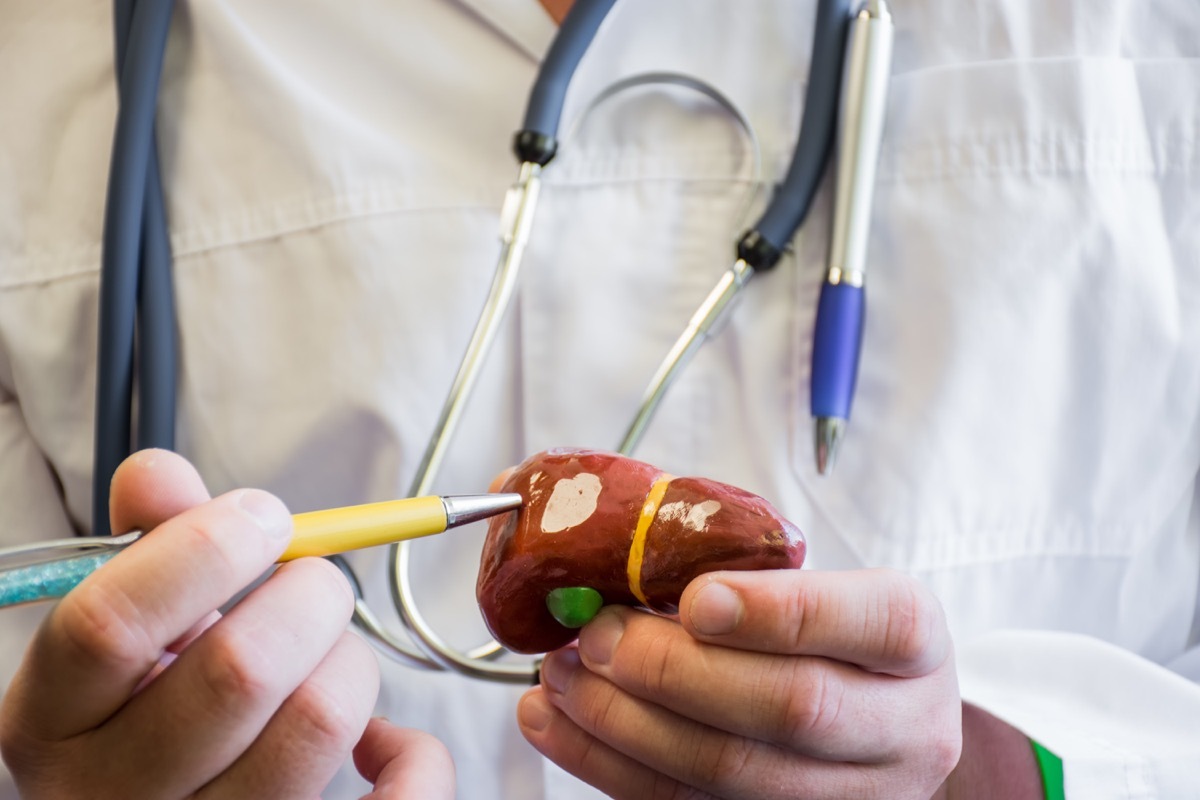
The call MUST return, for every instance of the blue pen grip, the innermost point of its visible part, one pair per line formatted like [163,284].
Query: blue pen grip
[48,581]
[837,341]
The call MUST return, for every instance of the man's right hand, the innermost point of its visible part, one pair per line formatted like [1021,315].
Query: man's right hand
[136,686]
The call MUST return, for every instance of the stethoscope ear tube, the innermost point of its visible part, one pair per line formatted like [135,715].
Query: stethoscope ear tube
[762,247]
[135,268]
[157,346]
[538,140]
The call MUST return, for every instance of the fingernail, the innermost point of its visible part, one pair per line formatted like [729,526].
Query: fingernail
[145,459]
[716,610]
[558,667]
[267,511]
[599,638]
[534,712]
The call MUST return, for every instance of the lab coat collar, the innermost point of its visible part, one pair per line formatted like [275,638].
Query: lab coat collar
[524,22]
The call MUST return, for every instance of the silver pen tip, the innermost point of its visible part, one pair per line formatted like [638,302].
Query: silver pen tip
[827,437]
[464,508]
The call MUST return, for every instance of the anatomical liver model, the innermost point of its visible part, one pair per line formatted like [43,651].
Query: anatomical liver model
[598,528]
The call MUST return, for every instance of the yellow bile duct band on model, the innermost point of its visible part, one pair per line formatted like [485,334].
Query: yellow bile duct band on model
[637,549]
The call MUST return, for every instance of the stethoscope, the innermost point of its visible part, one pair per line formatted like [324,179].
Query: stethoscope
[137,303]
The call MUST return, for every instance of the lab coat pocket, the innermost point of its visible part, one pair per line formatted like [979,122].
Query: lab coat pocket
[1028,385]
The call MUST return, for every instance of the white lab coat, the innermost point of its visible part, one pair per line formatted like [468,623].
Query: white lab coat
[1025,438]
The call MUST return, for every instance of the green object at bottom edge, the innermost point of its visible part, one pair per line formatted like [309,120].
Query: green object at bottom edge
[1052,772]
[574,606]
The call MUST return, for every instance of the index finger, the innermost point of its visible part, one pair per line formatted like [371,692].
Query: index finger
[879,619]
[109,632]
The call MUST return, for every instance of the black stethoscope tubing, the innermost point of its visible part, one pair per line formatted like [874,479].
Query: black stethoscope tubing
[137,328]
[764,244]
[137,300]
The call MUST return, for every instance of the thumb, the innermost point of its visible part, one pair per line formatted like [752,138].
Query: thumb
[403,763]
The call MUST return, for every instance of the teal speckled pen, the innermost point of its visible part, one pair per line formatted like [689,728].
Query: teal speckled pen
[47,581]
[48,570]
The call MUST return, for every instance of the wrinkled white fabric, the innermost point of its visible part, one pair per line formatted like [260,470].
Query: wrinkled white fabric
[1025,437]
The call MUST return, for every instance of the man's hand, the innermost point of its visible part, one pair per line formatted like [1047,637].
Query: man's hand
[775,685]
[135,685]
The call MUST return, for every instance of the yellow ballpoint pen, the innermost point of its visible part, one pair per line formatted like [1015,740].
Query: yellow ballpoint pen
[48,570]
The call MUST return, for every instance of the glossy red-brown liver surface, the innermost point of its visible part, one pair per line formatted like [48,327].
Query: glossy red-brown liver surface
[700,526]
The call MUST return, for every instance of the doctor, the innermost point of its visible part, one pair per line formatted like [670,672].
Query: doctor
[1023,455]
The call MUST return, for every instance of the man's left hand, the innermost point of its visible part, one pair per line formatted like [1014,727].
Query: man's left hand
[776,684]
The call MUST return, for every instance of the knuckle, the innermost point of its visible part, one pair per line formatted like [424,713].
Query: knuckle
[720,764]
[803,606]
[911,619]
[100,626]
[326,721]
[666,788]
[234,671]
[807,711]
[944,752]
[653,670]
[590,756]
[604,710]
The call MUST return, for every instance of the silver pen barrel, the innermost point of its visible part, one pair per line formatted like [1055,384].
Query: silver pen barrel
[863,107]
